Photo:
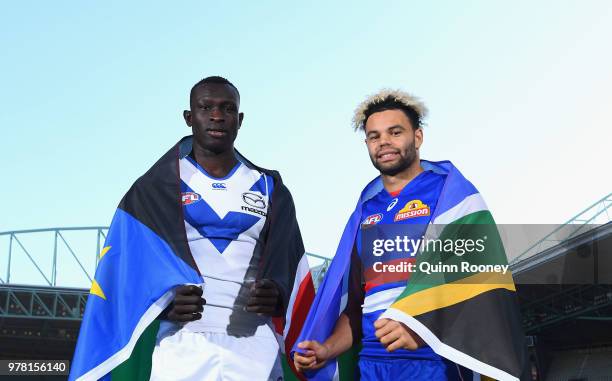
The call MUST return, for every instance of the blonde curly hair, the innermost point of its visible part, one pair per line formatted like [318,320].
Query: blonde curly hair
[388,95]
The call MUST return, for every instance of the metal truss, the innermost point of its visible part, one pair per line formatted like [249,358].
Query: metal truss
[566,303]
[318,272]
[42,303]
[597,213]
[59,240]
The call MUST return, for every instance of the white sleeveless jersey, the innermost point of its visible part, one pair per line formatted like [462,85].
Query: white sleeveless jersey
[224,220]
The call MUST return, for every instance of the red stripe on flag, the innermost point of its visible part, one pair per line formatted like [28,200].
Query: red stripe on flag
[279,324]
[301,306]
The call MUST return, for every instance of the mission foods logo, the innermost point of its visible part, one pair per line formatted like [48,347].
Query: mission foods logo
[412,209]
[190,197]
[373,219]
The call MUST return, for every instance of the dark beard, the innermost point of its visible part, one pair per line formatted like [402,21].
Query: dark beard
[406,159]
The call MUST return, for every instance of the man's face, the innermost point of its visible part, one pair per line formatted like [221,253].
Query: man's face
[392,142]
[214,116]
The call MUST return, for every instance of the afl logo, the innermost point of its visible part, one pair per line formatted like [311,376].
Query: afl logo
[373,219]
[190,197]
[392,204]
[253,199]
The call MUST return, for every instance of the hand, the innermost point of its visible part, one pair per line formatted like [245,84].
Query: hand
[315,356]
[264,298]
[395,335]
[187,305]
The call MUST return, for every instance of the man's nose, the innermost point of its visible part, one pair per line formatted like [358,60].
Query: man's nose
[216,115]
[384,140]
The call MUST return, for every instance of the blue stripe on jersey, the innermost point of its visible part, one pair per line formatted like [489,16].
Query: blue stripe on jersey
[260,186]
[220,231]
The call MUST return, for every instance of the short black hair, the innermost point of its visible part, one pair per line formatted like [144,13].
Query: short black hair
[391,103]
[213,79]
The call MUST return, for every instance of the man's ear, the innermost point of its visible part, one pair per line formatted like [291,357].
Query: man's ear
[187,116]
[240,118]
[418,137]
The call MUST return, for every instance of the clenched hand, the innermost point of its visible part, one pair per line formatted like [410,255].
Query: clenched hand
[395,335]
[264,298]
[187,305]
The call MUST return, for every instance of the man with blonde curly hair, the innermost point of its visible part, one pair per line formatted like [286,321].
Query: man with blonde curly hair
[409,194]
[392,121]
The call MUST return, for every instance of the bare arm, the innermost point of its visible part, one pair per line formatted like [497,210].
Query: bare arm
[346,331]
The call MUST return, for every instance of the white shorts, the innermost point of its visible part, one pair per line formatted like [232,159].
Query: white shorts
[213,356]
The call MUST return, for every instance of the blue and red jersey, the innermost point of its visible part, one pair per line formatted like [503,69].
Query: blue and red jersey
[374,290]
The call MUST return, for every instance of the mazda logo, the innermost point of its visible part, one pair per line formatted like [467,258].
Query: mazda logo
[253,199]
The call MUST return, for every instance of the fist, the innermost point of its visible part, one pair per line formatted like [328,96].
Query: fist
[264,298]
[314,357]
[187,305]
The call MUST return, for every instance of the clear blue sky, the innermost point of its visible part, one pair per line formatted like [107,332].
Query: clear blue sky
[91,94]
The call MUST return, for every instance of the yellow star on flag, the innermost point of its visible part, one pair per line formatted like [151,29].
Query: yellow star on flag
[95,287]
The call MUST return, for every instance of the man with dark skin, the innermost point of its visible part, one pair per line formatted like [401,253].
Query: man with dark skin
[215,120]
[222,328]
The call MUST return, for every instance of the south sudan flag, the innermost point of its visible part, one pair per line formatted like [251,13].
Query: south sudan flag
[469,317]
[146,255]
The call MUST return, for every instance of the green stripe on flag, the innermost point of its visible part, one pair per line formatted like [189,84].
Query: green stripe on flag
[287,372]
[475,226]
[138,366]
[347,364]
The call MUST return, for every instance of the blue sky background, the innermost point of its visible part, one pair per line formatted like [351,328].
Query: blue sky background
[91,94]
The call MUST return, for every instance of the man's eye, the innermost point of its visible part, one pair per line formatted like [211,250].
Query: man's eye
[372,138]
